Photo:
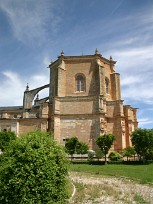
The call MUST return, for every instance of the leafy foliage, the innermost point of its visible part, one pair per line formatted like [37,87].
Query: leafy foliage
[34,171]
[81,148]
[105,142]
[73,145]
[91,155]
[128,152]
[5,139]
[149,154]
[142,140]
[99,154]
[114,156]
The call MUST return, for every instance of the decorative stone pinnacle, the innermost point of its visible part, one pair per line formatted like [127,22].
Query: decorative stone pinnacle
[96,52]
[37,97]
[62,53]
[27,87]
[111,58]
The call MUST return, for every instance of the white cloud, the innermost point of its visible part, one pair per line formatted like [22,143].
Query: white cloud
[46,61]
[137,92]
[135,67]
[11,89]
[13,86]
[134,59]
[150,109]
[30,19]
[144,121]
[130,80]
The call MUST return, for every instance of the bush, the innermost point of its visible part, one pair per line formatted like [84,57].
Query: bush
[81,148]
[149,155]
[5,139]
[114,156]
[74,146]
[34,170]
[99,154]
[91,155]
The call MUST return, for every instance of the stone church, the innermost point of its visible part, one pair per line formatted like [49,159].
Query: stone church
[84,100]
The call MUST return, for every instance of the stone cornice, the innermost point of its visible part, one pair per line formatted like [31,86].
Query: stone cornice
[81,57]
[75,98]
[15,120]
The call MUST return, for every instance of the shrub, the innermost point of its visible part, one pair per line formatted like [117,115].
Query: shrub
[91,155]
[5,139]
[99,154]
[82,148]
[129,152]
[74,146]
[114,156]
[34,171]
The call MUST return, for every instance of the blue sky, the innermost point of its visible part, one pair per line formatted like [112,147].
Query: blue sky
[34,32]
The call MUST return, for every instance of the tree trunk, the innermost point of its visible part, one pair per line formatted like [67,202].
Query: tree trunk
[143,159]
[105,159]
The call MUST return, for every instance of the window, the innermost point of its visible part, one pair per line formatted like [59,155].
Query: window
[80,83]
[107,85]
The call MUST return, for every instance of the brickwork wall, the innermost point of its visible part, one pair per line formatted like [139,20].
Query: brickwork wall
[44,110]
[20,126]
[61,81]
[9,125]
[83,127]
[77,106]
[88,69]
[115,86]
[28,125]
[57,128]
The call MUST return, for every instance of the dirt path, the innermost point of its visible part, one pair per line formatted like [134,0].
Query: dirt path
[95,189]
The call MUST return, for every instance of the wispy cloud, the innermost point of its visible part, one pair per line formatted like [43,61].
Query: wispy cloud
[144,121]
[30,19]
[116,7]
[11,89]
[13,86]
[126,81]
[135,67]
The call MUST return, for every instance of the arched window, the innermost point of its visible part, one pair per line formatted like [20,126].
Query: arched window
[107,85]
[80,83]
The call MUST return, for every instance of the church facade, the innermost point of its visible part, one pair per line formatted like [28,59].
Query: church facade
[84,101]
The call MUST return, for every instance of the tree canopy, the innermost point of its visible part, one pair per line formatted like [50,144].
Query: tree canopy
[73,145]
[34,170]
[128,152]
[142,141]
[105,142]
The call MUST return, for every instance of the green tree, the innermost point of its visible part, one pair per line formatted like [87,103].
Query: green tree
[73,145]
[70,145]
[99,154]
[91,154]
[82,148]
[128,152]
[114,156]
[34,170]
[105,142]
[5,139]
[149,155]
[142,140]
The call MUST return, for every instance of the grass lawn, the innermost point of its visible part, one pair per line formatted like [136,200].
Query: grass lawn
[141,173]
